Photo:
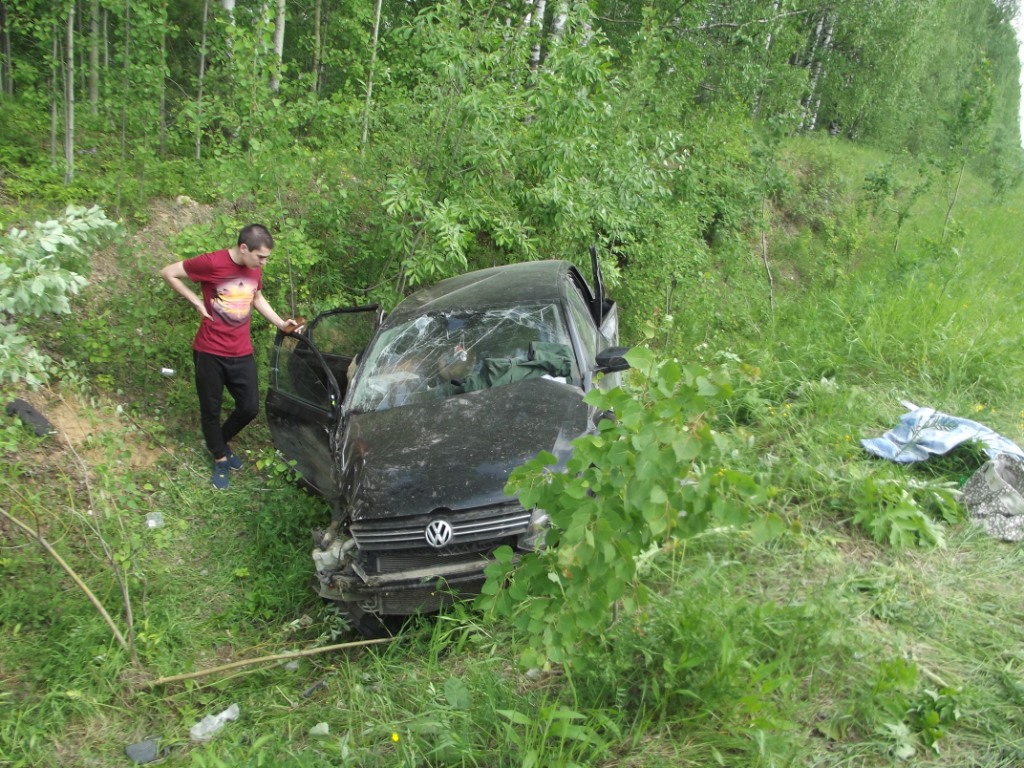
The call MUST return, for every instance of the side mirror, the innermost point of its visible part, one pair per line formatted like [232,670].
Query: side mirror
[611,360]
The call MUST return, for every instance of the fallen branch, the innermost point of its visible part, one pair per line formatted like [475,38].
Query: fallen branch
[263,660]
[74,577]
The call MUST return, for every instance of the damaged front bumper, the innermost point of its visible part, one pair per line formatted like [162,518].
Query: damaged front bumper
[403,581]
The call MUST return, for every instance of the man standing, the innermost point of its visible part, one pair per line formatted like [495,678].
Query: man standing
[232,285]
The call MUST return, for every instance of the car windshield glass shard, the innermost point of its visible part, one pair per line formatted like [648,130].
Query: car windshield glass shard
[438,355]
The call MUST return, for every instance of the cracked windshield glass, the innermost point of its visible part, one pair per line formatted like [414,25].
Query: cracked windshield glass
[438,355]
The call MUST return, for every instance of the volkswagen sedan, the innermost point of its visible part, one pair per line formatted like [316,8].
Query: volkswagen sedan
[409,426]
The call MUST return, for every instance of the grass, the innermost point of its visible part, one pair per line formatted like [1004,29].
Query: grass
[819,647]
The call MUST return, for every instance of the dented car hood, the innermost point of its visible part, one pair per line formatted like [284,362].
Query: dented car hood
[456,453]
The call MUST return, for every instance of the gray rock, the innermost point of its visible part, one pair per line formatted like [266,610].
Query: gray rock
[144,752]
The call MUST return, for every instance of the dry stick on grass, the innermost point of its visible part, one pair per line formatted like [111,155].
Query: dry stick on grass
[118,575]
[74,576]
[263,660]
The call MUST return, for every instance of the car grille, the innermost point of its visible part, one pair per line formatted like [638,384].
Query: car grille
[409,560]
[468,527]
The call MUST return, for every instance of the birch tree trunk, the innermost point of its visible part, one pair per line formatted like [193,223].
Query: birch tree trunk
[124,94]
[229,11]
[163,83]
[561,16]
[275,78]
[6,62]
[201,82]
[81,66]
[54,59]
[770,38]
[536,19]
[815,60]
[369,77]
[106,41]
[94,56]
[69,97]
[814,101]
[317,43]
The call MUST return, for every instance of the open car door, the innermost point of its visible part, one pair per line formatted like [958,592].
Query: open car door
[308,380]
[603,309]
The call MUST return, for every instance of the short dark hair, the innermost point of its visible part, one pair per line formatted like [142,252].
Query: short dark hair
[255,236]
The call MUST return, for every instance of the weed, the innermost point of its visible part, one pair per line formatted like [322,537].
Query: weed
[904,511]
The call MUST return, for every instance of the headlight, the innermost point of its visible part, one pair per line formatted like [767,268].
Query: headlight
[533,538]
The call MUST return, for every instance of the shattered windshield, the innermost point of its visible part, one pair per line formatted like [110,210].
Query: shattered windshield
[437,355]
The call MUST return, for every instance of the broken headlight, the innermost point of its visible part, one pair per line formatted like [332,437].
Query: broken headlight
[532,538]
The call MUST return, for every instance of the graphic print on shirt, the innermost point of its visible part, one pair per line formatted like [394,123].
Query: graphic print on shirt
[232,300]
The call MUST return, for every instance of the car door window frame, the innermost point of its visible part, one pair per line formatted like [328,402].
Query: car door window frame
[334,393]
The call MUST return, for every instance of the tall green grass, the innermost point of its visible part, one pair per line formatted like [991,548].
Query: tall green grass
[819,647]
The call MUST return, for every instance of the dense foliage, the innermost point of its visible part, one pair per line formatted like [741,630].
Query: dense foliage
[395,148]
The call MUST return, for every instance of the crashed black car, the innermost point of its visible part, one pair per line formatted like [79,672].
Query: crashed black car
[410,426]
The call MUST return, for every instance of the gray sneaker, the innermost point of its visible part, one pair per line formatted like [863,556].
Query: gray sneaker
[220,475]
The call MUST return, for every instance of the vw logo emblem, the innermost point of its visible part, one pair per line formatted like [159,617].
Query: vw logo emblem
[439,533]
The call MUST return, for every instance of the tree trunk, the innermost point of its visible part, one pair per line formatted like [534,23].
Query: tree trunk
[94,56]
[163,84]
[536,19]
[124,96]
[816,62]
[106,41]
[229,10]
[6,68]
[69,98]
[369,77]
[202,82]
[561,16]
[826,48]
[756,111]
[81,66]
[275,78]
[52,88]
[317,44]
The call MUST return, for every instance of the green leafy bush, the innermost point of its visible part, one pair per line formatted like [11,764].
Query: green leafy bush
[656,471]
[904,512]
[41,268]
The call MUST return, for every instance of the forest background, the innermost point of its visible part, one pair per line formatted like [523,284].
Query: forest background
[808,212]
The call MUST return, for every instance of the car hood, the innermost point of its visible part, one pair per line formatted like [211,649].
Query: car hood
[456,453]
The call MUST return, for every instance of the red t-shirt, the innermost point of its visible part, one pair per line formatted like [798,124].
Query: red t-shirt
[228,293]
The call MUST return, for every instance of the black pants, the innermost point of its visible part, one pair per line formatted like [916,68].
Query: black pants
[238,375]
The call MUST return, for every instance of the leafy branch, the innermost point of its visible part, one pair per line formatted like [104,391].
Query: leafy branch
[656,472]
[41,268]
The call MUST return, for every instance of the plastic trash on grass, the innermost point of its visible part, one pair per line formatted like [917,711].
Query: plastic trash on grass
[994,497]
[205,729]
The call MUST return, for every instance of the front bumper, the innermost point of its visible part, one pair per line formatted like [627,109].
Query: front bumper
[399,576]
[399,597]
[396,583]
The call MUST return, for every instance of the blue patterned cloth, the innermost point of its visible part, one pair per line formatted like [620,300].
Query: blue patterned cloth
[925,432]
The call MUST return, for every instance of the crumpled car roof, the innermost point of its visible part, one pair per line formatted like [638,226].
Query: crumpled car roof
[523,283]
